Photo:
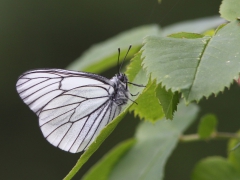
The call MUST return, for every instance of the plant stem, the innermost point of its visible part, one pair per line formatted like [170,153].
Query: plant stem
[216,135]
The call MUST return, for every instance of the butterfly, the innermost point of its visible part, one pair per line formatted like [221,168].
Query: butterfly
[73,107]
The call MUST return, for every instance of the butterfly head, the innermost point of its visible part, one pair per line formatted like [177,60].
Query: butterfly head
[122,77]
[120,81]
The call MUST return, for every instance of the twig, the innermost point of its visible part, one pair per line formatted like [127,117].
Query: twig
[216,135]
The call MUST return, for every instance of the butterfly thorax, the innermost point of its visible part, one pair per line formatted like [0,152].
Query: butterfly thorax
[121,94]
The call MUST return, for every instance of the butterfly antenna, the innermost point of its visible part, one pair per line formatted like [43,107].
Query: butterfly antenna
[118,61]
[125,57]
[133,101]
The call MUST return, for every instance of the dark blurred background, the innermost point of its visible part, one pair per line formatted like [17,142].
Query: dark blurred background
[45,34]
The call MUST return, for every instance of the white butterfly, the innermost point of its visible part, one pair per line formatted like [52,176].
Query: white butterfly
[72,107]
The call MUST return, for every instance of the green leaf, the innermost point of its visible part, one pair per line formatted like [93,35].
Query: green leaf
[173,61]
[102,169]
[197,67]
[209,32]
[207,126]
[237,146]
[103,55]
[148,107]
[106,131]
[135,73]
[234,153]
[168,101]
[215,168]
[186,35]
[154,144]
[230,9]
[196,26]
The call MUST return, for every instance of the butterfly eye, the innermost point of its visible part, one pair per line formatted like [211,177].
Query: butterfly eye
[122,78]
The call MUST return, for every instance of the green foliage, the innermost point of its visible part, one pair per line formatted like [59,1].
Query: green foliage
[230,9]
[194,65]
[103,168]
[195,26]
[184,35]
[215,168]
[103,55]
[234,152]
[219,168]
[148,107]
[154,144]
[168,101]
[207,126]
[173,61]
[136,75]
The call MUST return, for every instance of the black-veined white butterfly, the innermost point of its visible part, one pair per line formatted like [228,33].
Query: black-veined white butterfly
[73,107]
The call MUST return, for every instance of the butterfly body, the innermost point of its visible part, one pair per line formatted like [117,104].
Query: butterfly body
[121,93]
[72,107]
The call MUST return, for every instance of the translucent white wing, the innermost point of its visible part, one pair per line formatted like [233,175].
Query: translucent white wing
[38,87]
[72,106]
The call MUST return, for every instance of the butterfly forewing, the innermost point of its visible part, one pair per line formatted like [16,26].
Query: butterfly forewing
[72,106]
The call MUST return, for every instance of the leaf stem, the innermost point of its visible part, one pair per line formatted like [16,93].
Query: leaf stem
[216,135]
